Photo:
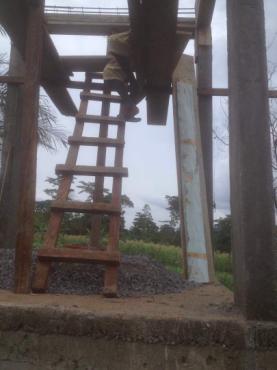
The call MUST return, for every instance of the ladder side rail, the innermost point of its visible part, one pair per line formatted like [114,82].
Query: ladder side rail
[96,220]
[64,187]
[42,271]
[111,273]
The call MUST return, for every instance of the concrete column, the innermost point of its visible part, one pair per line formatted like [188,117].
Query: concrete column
[195,226]
[203,60]
[254,252]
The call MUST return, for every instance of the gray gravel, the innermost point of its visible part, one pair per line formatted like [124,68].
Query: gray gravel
[138,275]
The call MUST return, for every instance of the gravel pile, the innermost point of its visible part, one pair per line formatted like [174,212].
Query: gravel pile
[138,275]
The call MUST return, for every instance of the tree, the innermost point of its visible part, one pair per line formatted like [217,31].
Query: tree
[144,228]
[42,209]
[88,188]
[54,182]
[168,235]
[173,208]
[222,234]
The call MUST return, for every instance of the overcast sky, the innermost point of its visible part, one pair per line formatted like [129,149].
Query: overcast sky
[149,151]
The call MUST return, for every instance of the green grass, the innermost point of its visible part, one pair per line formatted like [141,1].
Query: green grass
[170,256]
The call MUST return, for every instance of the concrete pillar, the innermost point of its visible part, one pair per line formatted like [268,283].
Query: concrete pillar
[254,252]
[195,226]
[203,58]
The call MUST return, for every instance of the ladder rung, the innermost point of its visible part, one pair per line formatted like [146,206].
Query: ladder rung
[85,207]
[91,171]
[97,75]
[101,97]
[90,141]
[99,119]
[78,256]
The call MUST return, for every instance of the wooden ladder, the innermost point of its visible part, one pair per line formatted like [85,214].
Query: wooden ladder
[110,257]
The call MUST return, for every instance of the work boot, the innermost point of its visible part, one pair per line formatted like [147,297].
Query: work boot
[128,113]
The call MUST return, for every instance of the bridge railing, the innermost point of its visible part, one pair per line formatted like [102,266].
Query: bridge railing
[78,10]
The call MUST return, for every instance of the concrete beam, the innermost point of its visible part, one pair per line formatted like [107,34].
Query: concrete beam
[253,244]
[92,24]
[100,24]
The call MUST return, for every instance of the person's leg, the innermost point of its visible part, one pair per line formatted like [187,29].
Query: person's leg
[128,108]
[136,90]
[119,87]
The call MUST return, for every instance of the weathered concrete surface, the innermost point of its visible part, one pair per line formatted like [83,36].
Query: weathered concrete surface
[254,248]
[198,329]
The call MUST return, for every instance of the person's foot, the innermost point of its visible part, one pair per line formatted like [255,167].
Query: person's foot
[129,112]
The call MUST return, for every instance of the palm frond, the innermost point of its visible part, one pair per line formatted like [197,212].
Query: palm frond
[2,31]
[50,134]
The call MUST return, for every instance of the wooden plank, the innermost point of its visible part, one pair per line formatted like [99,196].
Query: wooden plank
[84,207]
[43,268]
[101,97]
[28,148]
[154,40]
[213,91]
[10,156]
[81,85]
[96,221]
[204,12]
[54,77]
[84,63]
[70,255]
[204,61]
[272,94]
[91,141]
[13,17]
[252,207]
[99,119]
[111,273]
[91,171]
[191,180]
[12,80]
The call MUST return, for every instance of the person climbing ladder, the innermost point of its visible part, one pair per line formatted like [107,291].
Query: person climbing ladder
[118,75]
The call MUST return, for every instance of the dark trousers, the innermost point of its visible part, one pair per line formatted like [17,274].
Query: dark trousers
[135,95]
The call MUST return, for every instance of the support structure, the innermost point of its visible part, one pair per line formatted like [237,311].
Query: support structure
[10,180]
[254,250]
[195,226]
[155,32]
[27,148]
[203,58]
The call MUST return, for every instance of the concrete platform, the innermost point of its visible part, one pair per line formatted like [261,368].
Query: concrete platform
[197,329]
